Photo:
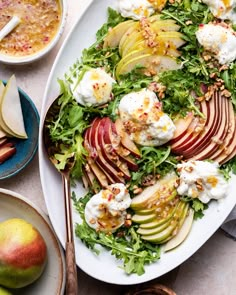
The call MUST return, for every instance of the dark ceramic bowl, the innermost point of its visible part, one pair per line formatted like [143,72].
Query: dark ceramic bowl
[25,148]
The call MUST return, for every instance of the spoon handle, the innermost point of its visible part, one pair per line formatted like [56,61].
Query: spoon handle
[71,270]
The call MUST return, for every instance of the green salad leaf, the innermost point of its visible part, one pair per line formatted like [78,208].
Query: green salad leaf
[126,245]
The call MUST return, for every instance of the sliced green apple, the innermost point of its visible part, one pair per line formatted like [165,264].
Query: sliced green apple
[182,234]
[11,111]
[114,36]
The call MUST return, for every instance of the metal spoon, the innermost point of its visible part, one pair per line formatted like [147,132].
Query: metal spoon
[52,148]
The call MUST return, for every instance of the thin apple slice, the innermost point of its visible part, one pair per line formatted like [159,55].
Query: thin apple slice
[125,140]
[182,125]
[194,129]
[10,109]
[6,151]
[152,64]
[107,168]
[112,139]
[182,234]
[109,155]
[229,151]
[114,35]
[212,125]
[230,133]
[218,138]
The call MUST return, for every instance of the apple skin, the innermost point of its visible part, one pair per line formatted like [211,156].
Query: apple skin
[23,253]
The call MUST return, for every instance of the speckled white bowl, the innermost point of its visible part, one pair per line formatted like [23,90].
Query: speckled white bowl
[18,60]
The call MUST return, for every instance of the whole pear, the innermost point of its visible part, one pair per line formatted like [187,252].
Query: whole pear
[4,291]
[23,253]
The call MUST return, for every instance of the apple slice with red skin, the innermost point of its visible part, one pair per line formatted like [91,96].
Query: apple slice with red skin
[95,170]
[112,138]
[93,141]
[6,151]
[3,141]
[216,140]
[229,151]
[211,127]
[110,156]
[195,128]
[182,125]
[125,139]
[230,132]
[211,114]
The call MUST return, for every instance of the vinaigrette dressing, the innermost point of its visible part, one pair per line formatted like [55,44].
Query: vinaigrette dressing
[40,20]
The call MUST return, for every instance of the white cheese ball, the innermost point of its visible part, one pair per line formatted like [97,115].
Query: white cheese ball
[202,180]
[222,9]
[95,88]
[219,40]
[106,211]
[135,9]
[144,120]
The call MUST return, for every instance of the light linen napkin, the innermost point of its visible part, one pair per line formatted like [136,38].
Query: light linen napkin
[229,226]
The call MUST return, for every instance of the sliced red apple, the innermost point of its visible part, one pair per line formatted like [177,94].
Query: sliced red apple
[230,133]
[110,156]
[182,125]
[6,151]
[112,139]
[93,141]
[125,139]
[218,138]
[229,151]
[211,127]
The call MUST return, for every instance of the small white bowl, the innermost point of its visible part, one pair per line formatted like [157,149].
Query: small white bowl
[19,60]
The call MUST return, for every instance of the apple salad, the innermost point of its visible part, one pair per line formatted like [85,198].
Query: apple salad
[148,112]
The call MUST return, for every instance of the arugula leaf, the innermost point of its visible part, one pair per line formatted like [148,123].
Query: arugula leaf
[125,244]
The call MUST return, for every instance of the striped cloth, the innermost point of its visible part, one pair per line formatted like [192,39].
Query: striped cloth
[229,226]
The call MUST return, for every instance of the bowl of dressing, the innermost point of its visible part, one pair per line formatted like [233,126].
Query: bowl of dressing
[35,28]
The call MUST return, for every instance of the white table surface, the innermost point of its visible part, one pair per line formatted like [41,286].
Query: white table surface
[212,270]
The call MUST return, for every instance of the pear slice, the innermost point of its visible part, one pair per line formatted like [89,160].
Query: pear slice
[114,36]
[143,218]
[157,222]
[167,233]
[166,197]
[152,193]
[154,230]
[133,28]
[4,128]
[153,64]
[182,234]
[11,111]
[161,49]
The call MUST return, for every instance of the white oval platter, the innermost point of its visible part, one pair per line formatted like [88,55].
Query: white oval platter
[105,267]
